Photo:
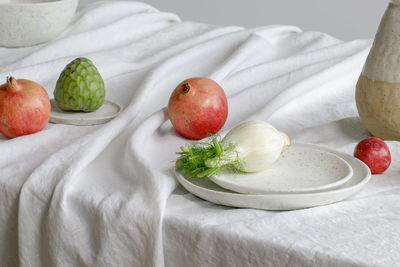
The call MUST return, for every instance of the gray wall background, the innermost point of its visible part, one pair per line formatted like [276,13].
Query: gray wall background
[344,19]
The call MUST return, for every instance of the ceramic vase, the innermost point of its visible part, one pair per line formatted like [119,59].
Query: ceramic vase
[378,88]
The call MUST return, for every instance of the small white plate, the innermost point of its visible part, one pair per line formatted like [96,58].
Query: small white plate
[105,113]
[206,189]
[300,169]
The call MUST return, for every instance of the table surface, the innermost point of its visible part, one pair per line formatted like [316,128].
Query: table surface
[106,195]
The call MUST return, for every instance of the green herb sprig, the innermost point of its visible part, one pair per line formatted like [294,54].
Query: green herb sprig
[207,158]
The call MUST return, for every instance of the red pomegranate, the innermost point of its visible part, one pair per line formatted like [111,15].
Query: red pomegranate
[198,108]
[375,153]
[24,107]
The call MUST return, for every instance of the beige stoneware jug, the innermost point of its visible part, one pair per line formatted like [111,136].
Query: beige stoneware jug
[378,88]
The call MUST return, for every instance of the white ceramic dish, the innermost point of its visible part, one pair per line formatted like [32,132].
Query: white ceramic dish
[105,113]
[31,22]
[206,189]
[299,169]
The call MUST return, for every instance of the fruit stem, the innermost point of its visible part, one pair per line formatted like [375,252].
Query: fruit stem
[12,84]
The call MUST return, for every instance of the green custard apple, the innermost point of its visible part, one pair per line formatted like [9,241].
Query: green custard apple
[80,87]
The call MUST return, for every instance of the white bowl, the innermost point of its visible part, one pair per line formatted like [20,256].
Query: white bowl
[31,22]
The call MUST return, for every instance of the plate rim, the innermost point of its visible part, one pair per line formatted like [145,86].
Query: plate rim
[84,121]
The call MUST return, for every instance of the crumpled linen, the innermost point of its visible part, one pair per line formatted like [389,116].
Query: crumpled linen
[105,195]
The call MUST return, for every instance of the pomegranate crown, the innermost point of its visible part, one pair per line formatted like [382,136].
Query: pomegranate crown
[11,83]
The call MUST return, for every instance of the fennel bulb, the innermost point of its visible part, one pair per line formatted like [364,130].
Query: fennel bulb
[251,146]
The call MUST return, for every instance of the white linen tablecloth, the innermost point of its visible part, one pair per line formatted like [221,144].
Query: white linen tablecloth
[105,195]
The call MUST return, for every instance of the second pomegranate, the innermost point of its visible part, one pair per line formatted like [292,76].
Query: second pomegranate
[198,108]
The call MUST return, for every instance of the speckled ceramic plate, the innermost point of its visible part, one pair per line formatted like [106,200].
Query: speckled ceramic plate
[208,190]
[299,169]
[105,113]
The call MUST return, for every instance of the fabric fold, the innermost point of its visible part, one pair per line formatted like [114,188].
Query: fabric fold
[106,195]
